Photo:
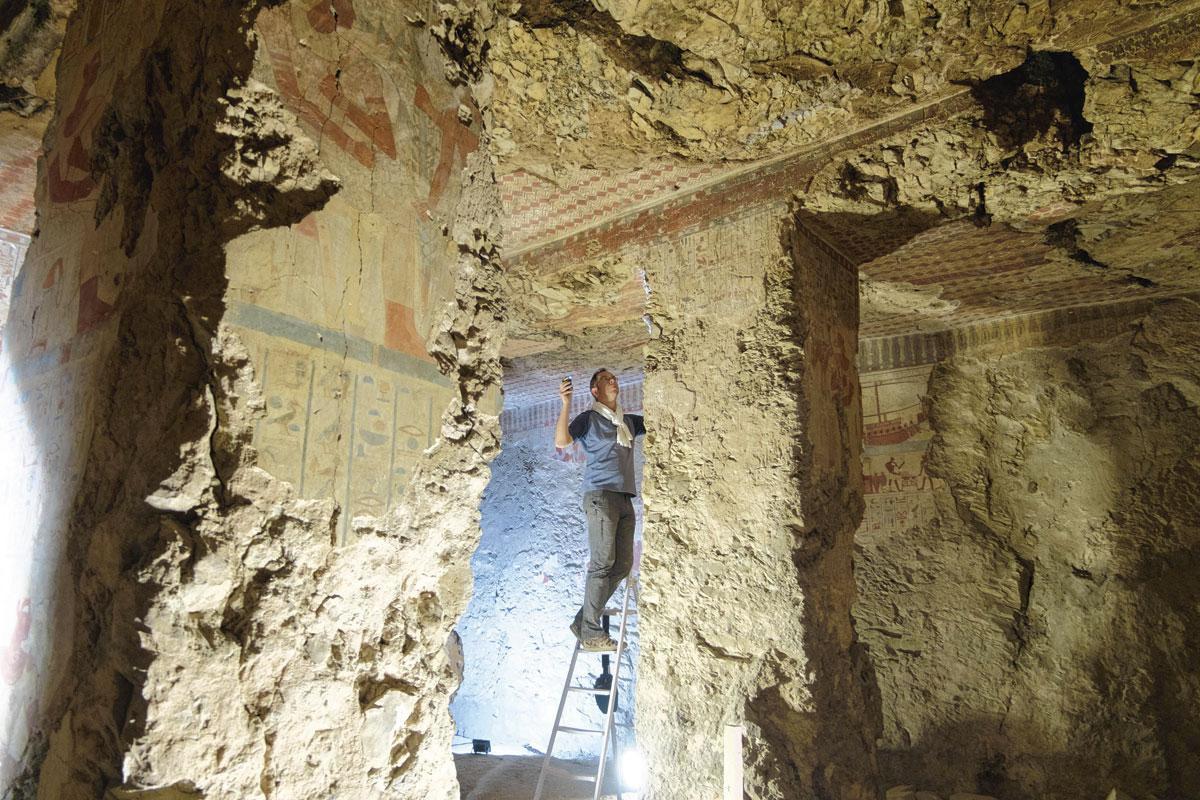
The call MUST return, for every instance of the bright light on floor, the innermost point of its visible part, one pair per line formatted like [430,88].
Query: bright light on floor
[633,770]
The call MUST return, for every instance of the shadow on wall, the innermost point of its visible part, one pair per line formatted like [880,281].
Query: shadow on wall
[976,750]
[107,402]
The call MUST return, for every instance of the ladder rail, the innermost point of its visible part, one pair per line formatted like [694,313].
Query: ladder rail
[612,698]
[562,702]
[609,716]
[616,755]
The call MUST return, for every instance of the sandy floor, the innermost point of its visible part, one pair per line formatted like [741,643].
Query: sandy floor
[515,777]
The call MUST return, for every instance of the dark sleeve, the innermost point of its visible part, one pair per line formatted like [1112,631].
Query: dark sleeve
[580,425]
[637,424]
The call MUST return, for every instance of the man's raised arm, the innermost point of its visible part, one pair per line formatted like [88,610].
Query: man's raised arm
[562,437]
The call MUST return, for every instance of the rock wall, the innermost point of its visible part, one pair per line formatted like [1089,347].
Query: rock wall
[1025,583]
[529,575]
[752,497]
[243,562]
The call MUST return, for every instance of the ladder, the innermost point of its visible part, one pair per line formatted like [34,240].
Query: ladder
[569,687]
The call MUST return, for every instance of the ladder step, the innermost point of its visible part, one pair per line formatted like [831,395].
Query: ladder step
[610,722]
[616,612]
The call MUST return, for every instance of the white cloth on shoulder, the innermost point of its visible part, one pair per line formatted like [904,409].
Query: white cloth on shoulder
[617,417]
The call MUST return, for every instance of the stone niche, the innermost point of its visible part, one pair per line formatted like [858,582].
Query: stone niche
[253,474]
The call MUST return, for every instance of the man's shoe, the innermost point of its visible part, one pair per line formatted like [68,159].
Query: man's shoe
[575,630]
[600,644]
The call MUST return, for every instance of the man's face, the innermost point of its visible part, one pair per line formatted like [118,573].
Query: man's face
[606,388]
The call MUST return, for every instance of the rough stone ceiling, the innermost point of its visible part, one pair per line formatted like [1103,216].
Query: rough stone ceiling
[1056,166]
[30,33]
[877,116]
[614,83]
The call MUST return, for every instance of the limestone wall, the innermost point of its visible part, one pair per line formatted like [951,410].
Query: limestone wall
[529,575]
[751,507]
[240,561]
[1030,526]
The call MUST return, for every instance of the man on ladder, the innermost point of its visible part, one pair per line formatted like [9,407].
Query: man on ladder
[607,435]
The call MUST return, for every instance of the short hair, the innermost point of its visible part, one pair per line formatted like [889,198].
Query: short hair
[595,376]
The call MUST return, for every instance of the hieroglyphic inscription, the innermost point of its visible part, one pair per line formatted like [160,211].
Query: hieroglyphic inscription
[350,430]
[1004,335]
[706,252]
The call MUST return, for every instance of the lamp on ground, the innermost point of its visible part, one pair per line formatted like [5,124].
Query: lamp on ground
[632,770]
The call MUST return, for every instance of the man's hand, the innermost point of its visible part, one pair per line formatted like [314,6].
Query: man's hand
[562,436]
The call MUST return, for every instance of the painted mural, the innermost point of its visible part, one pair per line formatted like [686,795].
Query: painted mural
[60,325]
[334,310]
[896,436]
[338,427]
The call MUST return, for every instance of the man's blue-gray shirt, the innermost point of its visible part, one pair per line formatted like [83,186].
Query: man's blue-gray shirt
[609,465]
